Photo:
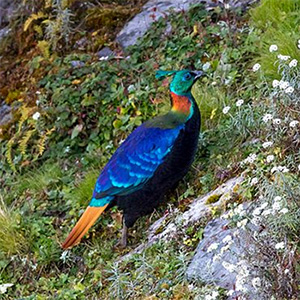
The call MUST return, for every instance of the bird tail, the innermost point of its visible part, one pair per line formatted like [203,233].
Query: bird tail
[88,218]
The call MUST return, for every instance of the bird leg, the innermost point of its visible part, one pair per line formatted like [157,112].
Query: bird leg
[122,243]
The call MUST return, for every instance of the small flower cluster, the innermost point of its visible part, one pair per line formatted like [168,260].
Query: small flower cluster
[256,67]
[283,85]
[250,159]
[213,296]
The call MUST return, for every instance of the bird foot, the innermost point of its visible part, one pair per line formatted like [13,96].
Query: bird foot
[122,243]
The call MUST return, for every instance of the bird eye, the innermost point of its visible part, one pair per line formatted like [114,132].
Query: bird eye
[187,76]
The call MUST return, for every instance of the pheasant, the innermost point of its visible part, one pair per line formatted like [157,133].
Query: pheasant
[150,162]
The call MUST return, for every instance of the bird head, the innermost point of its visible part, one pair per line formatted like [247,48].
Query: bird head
[182,81]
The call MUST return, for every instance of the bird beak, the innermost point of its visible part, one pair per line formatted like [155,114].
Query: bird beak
[198,74]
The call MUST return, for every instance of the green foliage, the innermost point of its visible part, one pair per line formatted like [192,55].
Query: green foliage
[83,191]
[279,22]
[49,165]
[12,239]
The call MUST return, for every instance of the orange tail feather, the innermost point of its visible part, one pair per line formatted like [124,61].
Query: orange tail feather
[88,218]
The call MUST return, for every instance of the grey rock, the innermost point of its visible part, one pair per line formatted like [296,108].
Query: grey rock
[198,210]
[4,32]
[151,12]
[5,114]
[77,63]
[154,9]
[106,52]
[7,8]
[207,265]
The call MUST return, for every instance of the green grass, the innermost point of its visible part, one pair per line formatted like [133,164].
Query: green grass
[278,21]
[12,238]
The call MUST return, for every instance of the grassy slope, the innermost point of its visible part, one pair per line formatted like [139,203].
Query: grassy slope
[94,107]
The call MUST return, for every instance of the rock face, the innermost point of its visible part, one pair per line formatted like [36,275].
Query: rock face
[5,114]
[151,12]
[154,9]
[7,8]
[198,211]
[220,259]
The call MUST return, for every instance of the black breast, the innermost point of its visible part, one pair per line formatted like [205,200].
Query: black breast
[168,174]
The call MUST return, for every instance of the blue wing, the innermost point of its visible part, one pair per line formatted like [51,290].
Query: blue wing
[134,162]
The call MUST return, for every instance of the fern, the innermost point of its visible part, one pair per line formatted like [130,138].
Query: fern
[24,141]
[8,154]
[26,112]
[32,18]
[44,48]
[41,145]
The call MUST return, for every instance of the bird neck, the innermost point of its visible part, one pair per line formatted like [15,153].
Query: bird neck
[182,105]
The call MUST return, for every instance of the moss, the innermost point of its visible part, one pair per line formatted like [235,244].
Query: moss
[213,199]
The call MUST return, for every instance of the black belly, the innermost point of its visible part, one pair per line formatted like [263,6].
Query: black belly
[168,174]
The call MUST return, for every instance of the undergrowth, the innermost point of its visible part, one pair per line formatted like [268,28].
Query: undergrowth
[74,112]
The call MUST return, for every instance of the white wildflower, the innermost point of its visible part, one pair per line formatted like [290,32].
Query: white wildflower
[283,57]
[256,221]
[277,198]
[293,63]
[267,212]
[294,123]
[212,247]
[254,181]
[217,257]
[276,121]
[270,158]
[264,205]
[227,239]
[273,48]
[256,282]
[286,271]
[213,296]
[282,169]
[251,158]
[274,169]
[256,67]
[275,83]
[38,92]
[4,287]
[279,246]
[206,66]
[228,266]
[242,223]
[289,90]
[36,116]
[284,211]
[276,206]
[240,284]
[131,88]
[239,102]
[283,84]
[225,248]
[267,117]
[267,144]
[257,211]
[226,110]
